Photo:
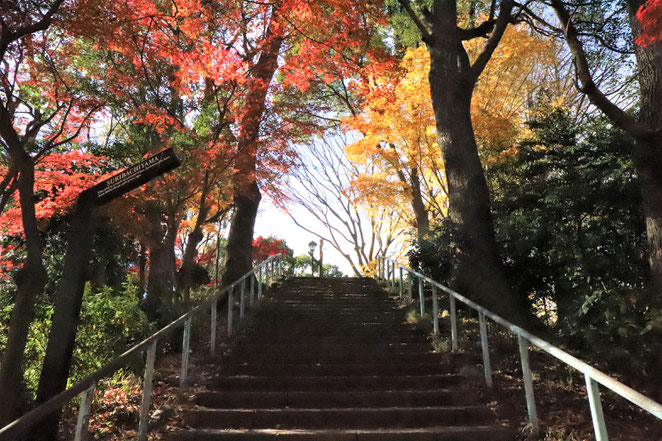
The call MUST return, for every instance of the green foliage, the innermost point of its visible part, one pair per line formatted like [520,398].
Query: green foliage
[567,213]
[110,323]
[568,219]
[300,266]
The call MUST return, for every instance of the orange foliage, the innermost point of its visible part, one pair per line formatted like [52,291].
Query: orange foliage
[650,16]
[59,179]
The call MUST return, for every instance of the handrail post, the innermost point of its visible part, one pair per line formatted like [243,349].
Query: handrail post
[212,327]
[453,308]
[185,350]
[400,283]
[421,297]
[230,308]
[409,283]
[251,297]
[487,368]
[528,384]
[435,311]
[147,392]
[259,284]
[597,414]
[83,421]
[241,299]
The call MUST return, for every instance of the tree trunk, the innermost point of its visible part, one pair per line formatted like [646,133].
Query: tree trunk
[647,130]
[142,267]
[30,281]
[648,153]
[418,205]
[477,268]
[194,238]
[247,194]
[161,277]
[648,165]
[62,336]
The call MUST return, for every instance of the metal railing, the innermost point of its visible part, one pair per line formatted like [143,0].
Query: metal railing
[264,273]
[386,270]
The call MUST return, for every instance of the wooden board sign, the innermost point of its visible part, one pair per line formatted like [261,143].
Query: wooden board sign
[131,178]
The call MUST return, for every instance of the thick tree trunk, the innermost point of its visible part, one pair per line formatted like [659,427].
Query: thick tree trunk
[648,153]
[477,269]
[246,191]
[240,238]
[194,238]
[161,277]
[648,165]
[30,281]
[62,336]
[647,130]
[418,205]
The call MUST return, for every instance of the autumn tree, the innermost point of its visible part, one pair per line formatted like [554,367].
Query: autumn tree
[453,78]
[264,247]
[397,121]
[40,109]
[317,41]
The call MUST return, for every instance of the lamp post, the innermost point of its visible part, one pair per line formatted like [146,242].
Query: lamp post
[312,245]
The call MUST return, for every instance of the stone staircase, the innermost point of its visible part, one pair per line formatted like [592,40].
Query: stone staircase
[334,360]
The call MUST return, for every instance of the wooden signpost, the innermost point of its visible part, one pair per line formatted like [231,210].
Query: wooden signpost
[131,178]
[57,361]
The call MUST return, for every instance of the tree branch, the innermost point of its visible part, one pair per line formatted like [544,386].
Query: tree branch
[622,119]
[422,23]
[500,27]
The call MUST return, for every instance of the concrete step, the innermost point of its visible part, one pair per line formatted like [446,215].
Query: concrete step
[261,338]
[321,400]
[450,433]
[316,370]
[346,418]
[344,348]
[296,326]
[336,358]
[336,383]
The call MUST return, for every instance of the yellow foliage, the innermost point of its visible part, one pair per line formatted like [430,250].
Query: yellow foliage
[398,127]
[397,121]
[518,68]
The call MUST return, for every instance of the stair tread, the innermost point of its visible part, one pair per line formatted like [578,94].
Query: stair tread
[446,433]
[336,360]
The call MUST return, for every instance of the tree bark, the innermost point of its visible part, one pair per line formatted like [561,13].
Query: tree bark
[648,153]
[646,130]
[194,238]
[477,269]
[418,205]
[30,281]
[161,275]
[142,270]
[247,194]
[62,336]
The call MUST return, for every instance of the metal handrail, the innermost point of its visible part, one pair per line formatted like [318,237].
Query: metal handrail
[272,267]
[386,271]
